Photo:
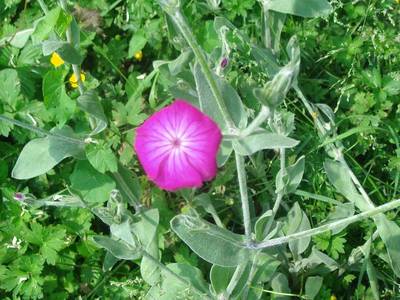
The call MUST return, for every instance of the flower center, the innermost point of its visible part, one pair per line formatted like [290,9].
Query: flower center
[176,142]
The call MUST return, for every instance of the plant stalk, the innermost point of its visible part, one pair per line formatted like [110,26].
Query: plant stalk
[244,195]
[75,68]
[234,280]
[330,226]
[183,27]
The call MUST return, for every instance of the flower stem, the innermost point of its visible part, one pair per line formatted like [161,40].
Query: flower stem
[75,68]
[183,27]
[330,226]
[234,280]
[244,195]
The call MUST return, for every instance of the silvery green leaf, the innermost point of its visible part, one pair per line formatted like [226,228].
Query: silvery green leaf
[208,103]
[171,288]
[42,154]
[89,102]
[117,248]
[297,221]
[261,140]
[280,284]
[306,9]
[228,249]
[313,285]
[291,180]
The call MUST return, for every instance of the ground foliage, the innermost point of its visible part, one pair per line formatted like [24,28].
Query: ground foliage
[350,61]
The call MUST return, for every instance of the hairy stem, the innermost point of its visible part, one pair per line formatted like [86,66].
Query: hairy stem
[330,226]
[75,68]
[183,27]
[244,195]
[234,280]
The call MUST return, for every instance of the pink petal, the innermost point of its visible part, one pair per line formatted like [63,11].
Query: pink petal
[177,146]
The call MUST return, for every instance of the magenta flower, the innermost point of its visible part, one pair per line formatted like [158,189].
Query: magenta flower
[177,146]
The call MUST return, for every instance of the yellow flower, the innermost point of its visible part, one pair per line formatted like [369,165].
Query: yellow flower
[333,297]
[73,82]
[56,60]
[139,54]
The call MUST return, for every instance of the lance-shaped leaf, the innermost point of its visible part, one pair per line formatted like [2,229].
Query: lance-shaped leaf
[215,245]
[119,249]
[260,140]
[302,8]
[90,103]
[41,155]
[208,103]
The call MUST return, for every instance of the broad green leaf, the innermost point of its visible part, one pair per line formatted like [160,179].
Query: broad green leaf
[137,43]
[172,288]
[339,177]
[118,249]
[389,232]
[220,278]
[177,65]
[19,39]
[280,284]
[55,96]
[341,212]
[225,151]
[208,103]
[146,231]
[266,265]
[94,186]
[10,86]
[313,285]
[291,180]
[261,140]
[109,262]
[123,232]
[41,155]
[297,221]
[302,8]
[260,225]
[204,201]
[102,158]
[64,49]
[90,103]
[128,185]
[46,25]
[373,280]
[318,258]
[228,249]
